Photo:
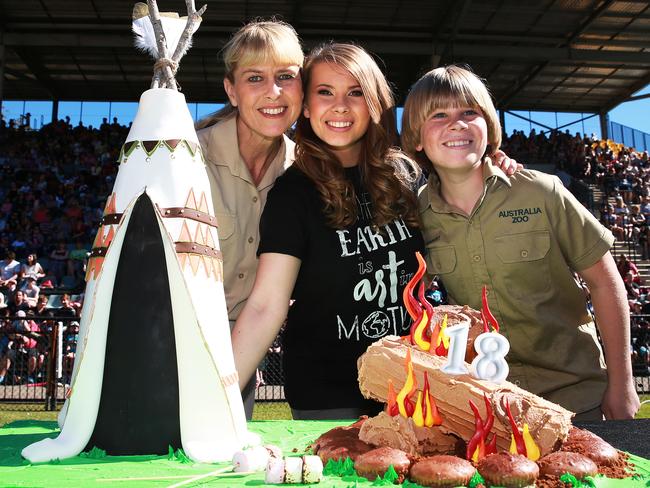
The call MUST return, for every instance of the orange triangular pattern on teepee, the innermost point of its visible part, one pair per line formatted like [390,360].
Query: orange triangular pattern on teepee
[109,236]
[217,267]
[99,263]
[99,238]
[209,240]
[110,205]
[203,203]
[182,259]
[198,235]
[205,261]
[194,262]
[191,200]
[185,233]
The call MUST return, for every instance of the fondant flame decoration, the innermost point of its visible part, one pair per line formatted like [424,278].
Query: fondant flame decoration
[489,321]
[522,442]
[434,341]
[424,410]
[478,446]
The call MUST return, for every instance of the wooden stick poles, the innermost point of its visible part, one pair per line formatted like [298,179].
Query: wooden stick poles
[166,66]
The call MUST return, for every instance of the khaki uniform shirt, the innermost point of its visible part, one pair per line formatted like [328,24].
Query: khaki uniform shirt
[523,240]
[238,206]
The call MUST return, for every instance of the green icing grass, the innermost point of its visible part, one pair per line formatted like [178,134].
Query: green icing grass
[587,482]
[178,456]
[476,480]
[388,479]
[94,453]
[339,468]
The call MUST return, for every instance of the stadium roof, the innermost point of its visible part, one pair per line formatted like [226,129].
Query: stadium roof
[560,55]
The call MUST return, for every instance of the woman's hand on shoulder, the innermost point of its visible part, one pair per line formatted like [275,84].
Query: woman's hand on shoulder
[508,165]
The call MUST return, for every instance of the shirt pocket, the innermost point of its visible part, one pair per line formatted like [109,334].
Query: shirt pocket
[225,225]
[442,261]
[227,236]
[523,262]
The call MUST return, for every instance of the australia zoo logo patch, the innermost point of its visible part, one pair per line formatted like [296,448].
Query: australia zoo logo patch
[519,215]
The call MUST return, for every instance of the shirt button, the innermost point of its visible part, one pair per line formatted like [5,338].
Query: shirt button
[476,258]
[250,240]
[240,276]
[254,199]
[524,253]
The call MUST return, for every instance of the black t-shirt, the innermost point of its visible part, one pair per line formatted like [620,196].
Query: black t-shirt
[348,292]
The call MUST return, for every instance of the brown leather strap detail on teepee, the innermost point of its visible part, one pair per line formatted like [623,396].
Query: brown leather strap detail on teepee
[196,248]
[189,213]
[111,219]
[98,252]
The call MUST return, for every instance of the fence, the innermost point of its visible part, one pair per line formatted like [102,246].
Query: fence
[38,377]
[37,364]
[36,358]
[630,137]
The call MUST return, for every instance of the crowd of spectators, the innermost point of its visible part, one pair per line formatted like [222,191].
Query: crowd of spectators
[56,181]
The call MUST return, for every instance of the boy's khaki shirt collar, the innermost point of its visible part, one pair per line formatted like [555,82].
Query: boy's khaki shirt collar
[491,175]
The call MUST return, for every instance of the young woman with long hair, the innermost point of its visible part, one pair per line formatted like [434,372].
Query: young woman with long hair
[338,236]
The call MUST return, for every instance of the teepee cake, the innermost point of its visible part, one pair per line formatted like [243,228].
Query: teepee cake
[154,364]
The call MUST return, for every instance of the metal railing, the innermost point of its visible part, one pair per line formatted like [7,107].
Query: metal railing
[629,137]
[36,365]
[39,376]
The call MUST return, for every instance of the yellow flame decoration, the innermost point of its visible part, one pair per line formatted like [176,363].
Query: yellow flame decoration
[532,451]
[513,445]
[406,389]
[428,420]
[476,452]
[418,416]
[419,333]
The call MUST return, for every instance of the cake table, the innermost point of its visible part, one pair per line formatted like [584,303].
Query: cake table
[95,470]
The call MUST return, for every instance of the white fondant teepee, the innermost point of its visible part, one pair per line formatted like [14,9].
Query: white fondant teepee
[154,364]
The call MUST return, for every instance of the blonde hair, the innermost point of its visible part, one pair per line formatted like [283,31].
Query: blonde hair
[258,42]
[388,175]
[448,86]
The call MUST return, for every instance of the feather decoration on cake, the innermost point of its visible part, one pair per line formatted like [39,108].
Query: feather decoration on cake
[172,23]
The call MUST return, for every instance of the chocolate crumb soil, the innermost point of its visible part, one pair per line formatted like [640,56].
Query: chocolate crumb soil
[619,469]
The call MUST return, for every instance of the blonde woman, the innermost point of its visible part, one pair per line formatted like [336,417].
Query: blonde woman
[246,149]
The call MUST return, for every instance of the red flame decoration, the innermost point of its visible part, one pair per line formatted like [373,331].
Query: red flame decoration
[413,307]
[430,411]
[478,446]
[519,439]
[488,319]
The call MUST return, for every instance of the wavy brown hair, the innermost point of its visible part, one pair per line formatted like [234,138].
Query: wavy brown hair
[387,173]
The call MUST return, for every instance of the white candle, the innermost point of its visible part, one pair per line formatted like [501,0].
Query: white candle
[490,364]
[457,346]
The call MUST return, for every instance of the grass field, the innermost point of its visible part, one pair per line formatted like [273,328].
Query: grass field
[263,411]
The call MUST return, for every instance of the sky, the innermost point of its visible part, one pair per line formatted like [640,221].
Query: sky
[634,115]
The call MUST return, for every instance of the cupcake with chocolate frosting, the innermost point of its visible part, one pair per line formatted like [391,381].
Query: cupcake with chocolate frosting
[442,471]
[375,463]
[508,470]
[590,445]
[560,462]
